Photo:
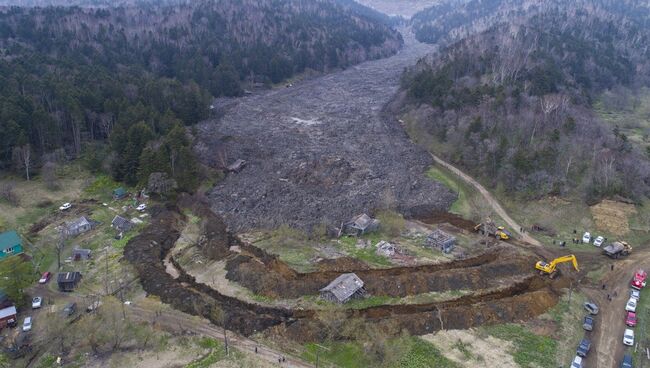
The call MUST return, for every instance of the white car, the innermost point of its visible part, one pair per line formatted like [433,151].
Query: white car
[636,294]
[631,305]
[27,324]
[141,207]
[37,302]
[586,238]
[65,206]
[628,337]
[599,241]
[577,362]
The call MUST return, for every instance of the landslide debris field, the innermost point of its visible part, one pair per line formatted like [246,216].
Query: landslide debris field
[501,282]
[320,151]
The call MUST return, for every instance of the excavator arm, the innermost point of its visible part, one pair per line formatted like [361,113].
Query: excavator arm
[550,268]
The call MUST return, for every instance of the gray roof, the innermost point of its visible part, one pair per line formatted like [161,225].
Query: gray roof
[81,221]
[344,286]
[81,251]
[120,222]
[6,312]
[361,221]
[68,276]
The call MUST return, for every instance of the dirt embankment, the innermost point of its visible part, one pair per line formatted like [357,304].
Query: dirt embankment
[271,277]
[512,301]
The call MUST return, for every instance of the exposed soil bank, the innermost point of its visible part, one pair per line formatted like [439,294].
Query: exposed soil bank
[514,301]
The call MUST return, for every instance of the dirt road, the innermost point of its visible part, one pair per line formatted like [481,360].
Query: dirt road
[608,336]
[490,199]
[175,321]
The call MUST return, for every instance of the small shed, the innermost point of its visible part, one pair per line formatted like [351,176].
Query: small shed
[67,281]
[385,248]
[8,316]
[344,288]
[236,166]
[10,244]
[440,240]
[121,224]
[119,193]
[81,254]
[79,226]
[361,224]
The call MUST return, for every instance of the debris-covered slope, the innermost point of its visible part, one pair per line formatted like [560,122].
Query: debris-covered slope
[320,152]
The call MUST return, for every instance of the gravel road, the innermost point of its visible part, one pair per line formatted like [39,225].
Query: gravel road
[321,151]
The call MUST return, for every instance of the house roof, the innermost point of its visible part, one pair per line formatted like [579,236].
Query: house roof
[361,221]
[81,221]
[238,164]
[68,276]
[344,286]
[8,312]
[120,222]
[119,191]
[82,252]
[9,239]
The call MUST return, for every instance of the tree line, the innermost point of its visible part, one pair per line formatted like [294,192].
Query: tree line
[72,78]
[514,104]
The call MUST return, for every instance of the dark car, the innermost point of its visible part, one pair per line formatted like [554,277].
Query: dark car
[69,309]
[627,361]
[588,323]
[583,348]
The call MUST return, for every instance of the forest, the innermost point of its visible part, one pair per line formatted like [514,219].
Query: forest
[73,79]
[514,103]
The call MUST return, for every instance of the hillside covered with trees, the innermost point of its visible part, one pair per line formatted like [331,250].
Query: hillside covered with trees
[72,78]
[514,104]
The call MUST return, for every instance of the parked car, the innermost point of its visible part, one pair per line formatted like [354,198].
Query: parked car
[630,319]
[627,361]
[631,305]
[141,207]
[636,294]
[628,337]
[27,324]
[65,206]
[37,302]
[45,277]
[599,241]
[638,281]
[588,323]
[586,238]
[583,348]
[577,362]
[69,309]
[591,307]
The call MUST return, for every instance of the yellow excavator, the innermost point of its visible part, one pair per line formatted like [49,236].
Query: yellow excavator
[551,267]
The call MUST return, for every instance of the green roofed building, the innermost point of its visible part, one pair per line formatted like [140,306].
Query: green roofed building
[119,193]
[10,244]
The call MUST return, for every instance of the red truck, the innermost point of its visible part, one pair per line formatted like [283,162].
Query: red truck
[638,281]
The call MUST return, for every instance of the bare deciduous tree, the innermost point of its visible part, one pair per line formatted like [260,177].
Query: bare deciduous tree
[23,158]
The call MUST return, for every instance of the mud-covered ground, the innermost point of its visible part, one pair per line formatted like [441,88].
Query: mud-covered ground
[320,151]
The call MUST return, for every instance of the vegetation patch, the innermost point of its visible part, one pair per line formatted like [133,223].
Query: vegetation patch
[530,350]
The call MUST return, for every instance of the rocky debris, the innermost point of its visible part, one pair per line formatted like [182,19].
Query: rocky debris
[319,152]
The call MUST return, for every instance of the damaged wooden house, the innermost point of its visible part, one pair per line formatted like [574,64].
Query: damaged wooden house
[440,240]
[360,225]
[343,289]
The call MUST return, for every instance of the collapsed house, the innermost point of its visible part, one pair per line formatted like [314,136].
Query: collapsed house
[360,225]
[440,240]
[121,224]
[344,288]
[385,249]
